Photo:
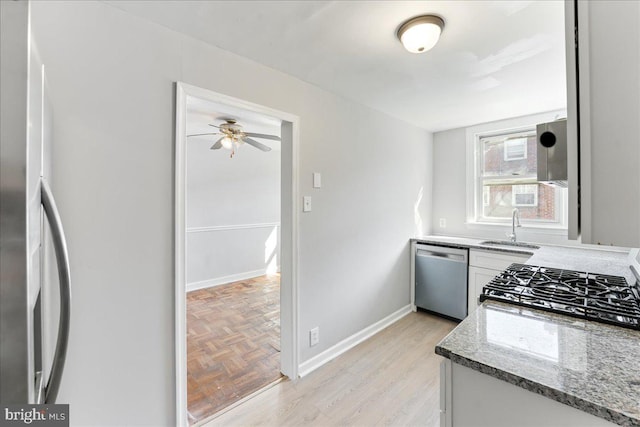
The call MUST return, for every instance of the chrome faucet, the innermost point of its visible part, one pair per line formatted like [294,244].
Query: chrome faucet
[515,222]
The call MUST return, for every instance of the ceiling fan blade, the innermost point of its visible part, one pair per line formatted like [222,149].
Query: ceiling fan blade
[214,126]
[262,135]
[202,134]
[217,145]
[256,144]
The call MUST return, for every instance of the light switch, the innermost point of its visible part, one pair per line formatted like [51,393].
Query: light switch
[306,204]
[317,180]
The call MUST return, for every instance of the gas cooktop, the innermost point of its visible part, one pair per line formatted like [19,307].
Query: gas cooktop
[599,297]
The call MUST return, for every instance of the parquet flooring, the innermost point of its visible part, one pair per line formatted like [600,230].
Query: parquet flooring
[233,343]
[393,378]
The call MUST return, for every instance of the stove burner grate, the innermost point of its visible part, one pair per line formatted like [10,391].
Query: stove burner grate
[598,297]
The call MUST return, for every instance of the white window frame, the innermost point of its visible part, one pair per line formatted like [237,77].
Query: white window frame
[522,187]
[499,135]
[486,195]
[510,143]
[474,205]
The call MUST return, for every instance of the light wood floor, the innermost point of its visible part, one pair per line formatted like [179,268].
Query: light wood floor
[392,378]
[233,343]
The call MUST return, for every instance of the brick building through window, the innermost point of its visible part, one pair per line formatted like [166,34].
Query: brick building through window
[507,178]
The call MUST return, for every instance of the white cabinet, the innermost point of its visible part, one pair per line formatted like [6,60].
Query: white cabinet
[478,277]
[495,260]
[446,411]
[473,399]
[484,266]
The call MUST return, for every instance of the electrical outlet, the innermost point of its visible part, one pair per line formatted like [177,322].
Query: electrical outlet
[443,223]
[314,336]
[306,204]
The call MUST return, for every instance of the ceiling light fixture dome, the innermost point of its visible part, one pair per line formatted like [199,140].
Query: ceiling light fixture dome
[421,33]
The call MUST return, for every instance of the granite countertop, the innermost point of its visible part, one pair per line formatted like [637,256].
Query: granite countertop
[591,366]
[591,260]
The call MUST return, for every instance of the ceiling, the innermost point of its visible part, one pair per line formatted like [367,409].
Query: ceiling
[495,59]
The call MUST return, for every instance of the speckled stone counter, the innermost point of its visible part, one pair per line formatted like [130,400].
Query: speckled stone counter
[592,260]
[591,366]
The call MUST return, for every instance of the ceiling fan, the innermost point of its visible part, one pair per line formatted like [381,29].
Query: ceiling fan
[233,136]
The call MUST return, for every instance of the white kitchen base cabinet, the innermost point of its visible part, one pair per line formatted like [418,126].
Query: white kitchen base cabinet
[484,266]
[474,399]
[478,277]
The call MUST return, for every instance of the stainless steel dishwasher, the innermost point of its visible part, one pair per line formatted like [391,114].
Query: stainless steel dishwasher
[441,280]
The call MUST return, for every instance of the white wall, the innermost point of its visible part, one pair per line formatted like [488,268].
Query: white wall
[450,181]
[450,185]
[233,212]
[111,77]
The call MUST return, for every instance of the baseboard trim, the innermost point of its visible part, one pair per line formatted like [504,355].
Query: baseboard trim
[217,281]
[331,353]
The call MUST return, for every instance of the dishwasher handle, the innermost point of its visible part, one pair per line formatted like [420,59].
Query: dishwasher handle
[434,253]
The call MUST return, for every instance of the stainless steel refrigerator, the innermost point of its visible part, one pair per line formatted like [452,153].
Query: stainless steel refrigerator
[35,296]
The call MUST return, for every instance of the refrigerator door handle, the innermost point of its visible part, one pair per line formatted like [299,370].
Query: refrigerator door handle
[62,260]
[39,388]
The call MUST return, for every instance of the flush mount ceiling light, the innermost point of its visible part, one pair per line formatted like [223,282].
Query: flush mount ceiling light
[421,33]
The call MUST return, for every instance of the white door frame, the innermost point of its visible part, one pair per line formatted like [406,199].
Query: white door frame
[289,354]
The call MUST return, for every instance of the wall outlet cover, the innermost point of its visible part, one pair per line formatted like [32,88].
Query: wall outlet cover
[314,336]
[443,223]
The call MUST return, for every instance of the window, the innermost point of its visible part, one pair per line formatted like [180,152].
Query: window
[515,149]
[524,195]
[506,178]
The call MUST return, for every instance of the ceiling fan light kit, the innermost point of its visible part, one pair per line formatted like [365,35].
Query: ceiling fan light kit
[421,33]
[226,143]
[233,136]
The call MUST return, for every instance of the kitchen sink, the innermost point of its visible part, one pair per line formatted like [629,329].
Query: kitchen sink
[509,243]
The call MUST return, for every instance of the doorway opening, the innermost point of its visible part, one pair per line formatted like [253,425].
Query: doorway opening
[236,238]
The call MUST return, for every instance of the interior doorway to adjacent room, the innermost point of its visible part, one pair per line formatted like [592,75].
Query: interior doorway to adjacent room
[235,222]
